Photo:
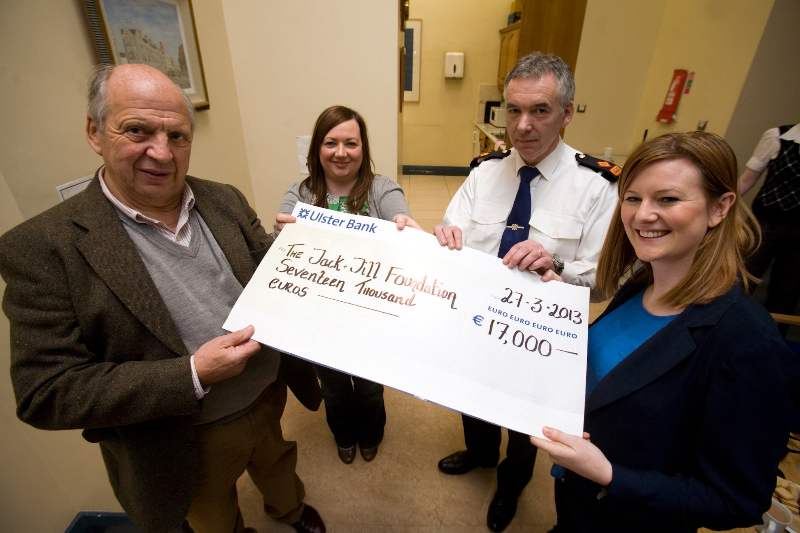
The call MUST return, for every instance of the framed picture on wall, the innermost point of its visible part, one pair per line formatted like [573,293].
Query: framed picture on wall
[413,43]
[159,33]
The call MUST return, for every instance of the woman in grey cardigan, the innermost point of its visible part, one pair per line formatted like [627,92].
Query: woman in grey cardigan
[341,178]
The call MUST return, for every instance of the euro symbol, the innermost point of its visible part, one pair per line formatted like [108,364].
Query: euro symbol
[477,319]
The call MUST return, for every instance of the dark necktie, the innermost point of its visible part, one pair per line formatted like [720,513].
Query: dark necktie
[517,226]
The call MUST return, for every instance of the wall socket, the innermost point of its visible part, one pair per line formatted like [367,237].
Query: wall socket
[581,108]
[701,126]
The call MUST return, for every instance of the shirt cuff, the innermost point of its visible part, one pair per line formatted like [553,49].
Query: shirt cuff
[199,390]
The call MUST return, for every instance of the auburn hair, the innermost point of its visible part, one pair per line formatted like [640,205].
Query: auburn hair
[719,261]
[315,182]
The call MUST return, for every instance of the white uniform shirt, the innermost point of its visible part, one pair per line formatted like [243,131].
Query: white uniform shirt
[572,207]
[769,147]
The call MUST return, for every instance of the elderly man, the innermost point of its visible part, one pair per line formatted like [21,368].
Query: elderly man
[116,300]
[540,206]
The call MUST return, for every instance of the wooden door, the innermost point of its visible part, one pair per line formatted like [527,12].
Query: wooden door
[552,26]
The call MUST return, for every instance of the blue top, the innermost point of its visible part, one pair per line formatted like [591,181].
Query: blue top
[614,338]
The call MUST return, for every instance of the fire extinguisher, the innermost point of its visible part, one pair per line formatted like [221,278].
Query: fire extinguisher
[665,116]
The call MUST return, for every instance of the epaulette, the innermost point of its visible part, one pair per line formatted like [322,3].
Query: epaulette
[500,154]
[609,171]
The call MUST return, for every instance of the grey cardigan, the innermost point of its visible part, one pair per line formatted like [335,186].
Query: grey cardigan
[386,199]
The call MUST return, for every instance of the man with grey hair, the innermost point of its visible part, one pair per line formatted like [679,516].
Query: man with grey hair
[540,206]
[116,300]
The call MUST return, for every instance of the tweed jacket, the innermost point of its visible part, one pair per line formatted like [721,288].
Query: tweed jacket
[694,422]
[93,346]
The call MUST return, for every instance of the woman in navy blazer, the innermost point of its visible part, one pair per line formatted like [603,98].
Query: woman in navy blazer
[690,388]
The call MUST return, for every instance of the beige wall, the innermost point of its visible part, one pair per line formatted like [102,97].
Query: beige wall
[43,72]
[45,477]
[291,60]
[715,38]
[769,96]
[629,50]
[617,45]
[437,130]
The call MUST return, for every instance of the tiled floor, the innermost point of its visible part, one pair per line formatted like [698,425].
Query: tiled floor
[402,490]
[428,197]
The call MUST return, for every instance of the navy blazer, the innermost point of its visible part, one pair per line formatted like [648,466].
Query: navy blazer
[694,422]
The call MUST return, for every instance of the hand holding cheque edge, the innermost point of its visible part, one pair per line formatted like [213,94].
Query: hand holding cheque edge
[528,255]
[576,454]
[281,220]
[225,356]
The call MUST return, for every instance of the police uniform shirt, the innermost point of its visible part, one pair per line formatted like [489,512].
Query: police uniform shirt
[572,207]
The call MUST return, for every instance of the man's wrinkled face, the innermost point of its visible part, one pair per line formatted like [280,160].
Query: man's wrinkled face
[534,116]
[146,140]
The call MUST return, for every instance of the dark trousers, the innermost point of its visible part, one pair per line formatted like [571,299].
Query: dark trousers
[353,406]
[483,441]
[781,244]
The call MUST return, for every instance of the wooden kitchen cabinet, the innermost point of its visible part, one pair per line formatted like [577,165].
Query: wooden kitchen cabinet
[509,44]
[550,26]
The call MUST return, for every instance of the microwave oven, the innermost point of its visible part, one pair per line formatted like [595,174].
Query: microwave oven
[497,117]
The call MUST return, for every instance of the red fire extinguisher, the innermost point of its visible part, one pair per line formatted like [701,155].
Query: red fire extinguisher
[673,97]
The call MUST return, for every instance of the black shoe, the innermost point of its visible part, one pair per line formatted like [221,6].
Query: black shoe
[461,463]
[309,522]
[369,453]
[347,455]
[501,512]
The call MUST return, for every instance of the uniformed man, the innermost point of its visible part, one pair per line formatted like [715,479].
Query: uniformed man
[540,206]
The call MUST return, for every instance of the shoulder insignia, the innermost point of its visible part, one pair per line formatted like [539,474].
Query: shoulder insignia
[500,154]
[609,171]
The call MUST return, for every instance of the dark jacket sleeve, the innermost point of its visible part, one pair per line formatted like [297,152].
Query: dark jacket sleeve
[67,371]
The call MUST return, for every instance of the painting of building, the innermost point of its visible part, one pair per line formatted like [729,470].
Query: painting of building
[150,32]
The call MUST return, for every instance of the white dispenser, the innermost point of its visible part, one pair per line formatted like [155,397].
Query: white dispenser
[454,65]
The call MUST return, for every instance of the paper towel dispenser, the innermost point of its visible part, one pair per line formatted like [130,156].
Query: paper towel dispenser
[454,65]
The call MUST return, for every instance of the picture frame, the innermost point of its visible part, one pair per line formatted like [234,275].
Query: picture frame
[413,47]
[160,33]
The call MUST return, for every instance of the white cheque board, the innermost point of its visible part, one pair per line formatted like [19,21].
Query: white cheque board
[453,327]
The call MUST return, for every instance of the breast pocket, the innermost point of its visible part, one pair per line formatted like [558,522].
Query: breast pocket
[559,234]
[489,221]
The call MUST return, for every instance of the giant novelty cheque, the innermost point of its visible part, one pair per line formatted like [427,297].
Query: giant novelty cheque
[453,327]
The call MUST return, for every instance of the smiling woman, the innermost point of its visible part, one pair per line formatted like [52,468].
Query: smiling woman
[676,441]
[341,179]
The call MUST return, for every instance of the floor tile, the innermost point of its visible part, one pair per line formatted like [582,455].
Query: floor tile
[432,194]
[454,182]
[425,214]
[401,490]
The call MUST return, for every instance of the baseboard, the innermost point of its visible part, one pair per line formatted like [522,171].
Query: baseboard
[417,170]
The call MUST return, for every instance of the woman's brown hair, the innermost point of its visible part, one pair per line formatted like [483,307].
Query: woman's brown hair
[315,182]
[719,261]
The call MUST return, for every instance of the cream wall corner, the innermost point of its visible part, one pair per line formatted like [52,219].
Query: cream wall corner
[46,477]
[45,63]
[617,44]
[769,95]
[437,130]
[715,38]
[291,60]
